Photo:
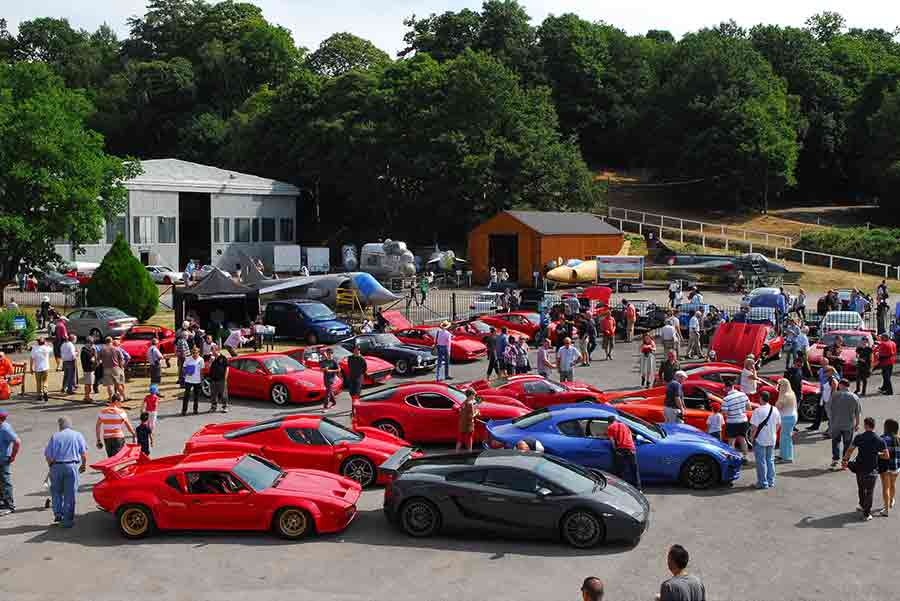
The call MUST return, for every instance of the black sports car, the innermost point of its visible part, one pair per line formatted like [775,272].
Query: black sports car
[514,493]
[406,358]
[649,317]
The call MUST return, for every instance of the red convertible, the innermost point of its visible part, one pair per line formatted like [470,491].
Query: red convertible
[221,491]
[733,341]
[136,341]
[536,391]
[851,340]
[273,376]
[427,411]
[303,442]
[378,371]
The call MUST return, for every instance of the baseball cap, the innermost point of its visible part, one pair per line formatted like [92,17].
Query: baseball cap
[154,388]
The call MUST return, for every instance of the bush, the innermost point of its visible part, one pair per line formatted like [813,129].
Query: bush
[7,319]
[122,282]
[878,244]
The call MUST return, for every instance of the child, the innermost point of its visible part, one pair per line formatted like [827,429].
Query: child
[151,404]
[144,434]
[715,421]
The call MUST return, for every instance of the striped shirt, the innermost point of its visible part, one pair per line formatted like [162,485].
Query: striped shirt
[735,407]
[112,422]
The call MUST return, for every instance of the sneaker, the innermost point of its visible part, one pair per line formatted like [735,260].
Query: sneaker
[867,517]
[57,518]
[6,511]
[834,465]
[884,513]
[893,501]
[224,409]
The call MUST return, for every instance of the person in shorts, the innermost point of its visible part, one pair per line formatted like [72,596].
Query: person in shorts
[88,358]
[151,406]
[356,365]
[736,425]
[330,371]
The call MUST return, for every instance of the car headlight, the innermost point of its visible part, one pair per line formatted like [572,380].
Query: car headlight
[419,360]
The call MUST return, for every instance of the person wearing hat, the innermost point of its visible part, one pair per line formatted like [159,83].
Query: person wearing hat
[9,448]
[843,419]
[442,348]
[150,406]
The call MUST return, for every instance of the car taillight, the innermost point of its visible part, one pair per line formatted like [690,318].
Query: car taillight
[495,444]
[111,323]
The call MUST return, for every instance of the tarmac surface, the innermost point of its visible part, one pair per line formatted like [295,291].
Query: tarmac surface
[801,540]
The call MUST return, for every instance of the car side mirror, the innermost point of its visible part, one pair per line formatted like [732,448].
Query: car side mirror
[543,492]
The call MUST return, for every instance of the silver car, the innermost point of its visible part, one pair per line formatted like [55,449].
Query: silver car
[162,274]
[99,322]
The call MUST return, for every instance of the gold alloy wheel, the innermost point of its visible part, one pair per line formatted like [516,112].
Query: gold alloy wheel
[293,523]
[134,521]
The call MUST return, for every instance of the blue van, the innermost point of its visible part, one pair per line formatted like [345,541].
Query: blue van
[306,320]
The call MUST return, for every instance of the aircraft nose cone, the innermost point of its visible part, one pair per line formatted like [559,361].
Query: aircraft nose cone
[560,274]
[371,292]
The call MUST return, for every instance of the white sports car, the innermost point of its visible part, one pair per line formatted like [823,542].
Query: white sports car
[161,274]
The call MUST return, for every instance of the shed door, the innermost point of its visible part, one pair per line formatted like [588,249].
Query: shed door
[503,251]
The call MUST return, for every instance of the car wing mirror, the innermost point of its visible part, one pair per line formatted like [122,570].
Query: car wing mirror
[543,492]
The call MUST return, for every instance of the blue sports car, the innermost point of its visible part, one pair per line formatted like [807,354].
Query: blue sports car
[665,452]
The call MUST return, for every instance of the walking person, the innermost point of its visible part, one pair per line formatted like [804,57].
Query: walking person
[150,406]
[357,368]
[442,341]
[584,342]
[673,406]
[40,366]
[9,449]
[671,338]
[864,353]
[630,320]
[695,349]
[523,366]
[423,288]
[625,453]
[330,372]
[66,455]
[192,373]
[70,365]
[113,372]
[60,337]
[736,406]
[765,423]
[490,342]
[154,361]
[468,412]
[889,468]
[218,380]
[544,364]
[787,407]
[608,329]
[681,586]
[887,357]
[674,289]
[144,434]
[88,358]
[800,305]
[112,422]
[870,448]
[500,351]
[566,358]
[182,352]
[825,379]
[843,419]
[647,360]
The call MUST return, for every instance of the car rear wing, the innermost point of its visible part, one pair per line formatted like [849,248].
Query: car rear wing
[129,455]
[394,464]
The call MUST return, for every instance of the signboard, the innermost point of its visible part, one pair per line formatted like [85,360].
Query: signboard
[19,323]
[620,268]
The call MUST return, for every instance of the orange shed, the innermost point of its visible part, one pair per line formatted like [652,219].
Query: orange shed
[525,241]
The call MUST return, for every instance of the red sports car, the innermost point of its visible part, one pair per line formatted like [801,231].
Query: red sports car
[536,391]
[460,348]
[221,491]
[303,442]
[851,340]
[378,371]
[136,341]
[733,341]
[520,322]
[427,411]
[648,405]
[474,329]
[273,376]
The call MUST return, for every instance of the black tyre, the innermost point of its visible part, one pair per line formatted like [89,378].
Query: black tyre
[402,367]
[280,395]
[292,523]
[390,426]
[135,521]
[700,472]
[806,410]
[361,469]
[582,529]
[206,388]
[420,518]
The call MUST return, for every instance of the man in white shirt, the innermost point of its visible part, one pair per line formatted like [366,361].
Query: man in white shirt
[765,422]
[442,341]
[234,341]
[670,339]
[674,288]
[736,404]
[69,356]
[40,366]
[193,377]
[694,348]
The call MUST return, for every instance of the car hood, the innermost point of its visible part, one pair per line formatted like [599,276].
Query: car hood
[135,348]
[734,341]
[501,408]
[409,348]
[683,433]
[331,324]
[318,484]
[622,496]
[581,387]
[375,365]
[472,346]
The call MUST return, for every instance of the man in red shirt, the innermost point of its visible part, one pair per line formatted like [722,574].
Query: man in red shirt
[608,329]
[630,319]
[624,451]
[887,357]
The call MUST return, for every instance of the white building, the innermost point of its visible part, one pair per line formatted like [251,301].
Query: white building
[179,211]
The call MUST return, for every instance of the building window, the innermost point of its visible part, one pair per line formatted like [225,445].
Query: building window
[141,230]
[241,230]
[256,229]
[166,227]
[226,229]
[268,229]
[287,229]
[115,226]
[217,229]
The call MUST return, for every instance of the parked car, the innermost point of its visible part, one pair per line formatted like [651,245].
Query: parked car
[851,340]
[136,341]
[665,452]
[162,274]
[649,317]
[485,302]
[648,405]
[99,322]
[473,329]
[378,371]
[205,270]
[221,491]
[54,281]
[530,495]
[274,377]
[303,442]
[406,358]
[536,391]
[841,320]
[461,349]
[733,341]
[306,320]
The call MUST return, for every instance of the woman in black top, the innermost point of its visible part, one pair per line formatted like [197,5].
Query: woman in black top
[88,359]
[888,469]
[863,365]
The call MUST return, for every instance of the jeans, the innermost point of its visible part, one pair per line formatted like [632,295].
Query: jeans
[443,359]
[6,486]
[838,436]
[789,360]
[820,415]
[627,468]
[188,389]
[63,489]
[219,394]
[70,377]
[787,442]
[886,386]
[155,373]
[765,465]
[865,484]
[694,349]
[608,344]
[671,415]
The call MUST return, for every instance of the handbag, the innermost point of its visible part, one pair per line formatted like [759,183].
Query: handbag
[763,424]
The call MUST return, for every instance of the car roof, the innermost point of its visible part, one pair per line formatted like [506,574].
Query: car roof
[215,460]
[99,309]
[579,410]
[424,386]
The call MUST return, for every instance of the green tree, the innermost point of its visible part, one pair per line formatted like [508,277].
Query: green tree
[56,180]
[826,25]
[342,52]
[881,162]
[122,282]
[442,36]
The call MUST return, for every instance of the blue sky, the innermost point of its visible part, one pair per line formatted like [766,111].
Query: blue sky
[382,21]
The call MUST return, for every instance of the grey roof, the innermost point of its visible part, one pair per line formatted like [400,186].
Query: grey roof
[184,176]
[549,223]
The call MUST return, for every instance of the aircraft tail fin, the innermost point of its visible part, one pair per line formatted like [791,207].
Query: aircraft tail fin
[250,273]
[657,250]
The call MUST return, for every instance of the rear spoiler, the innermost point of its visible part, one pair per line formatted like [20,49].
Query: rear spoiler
[395,462]
[129,455]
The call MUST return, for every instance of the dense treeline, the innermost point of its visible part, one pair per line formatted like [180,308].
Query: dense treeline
[881,245]
[486,110]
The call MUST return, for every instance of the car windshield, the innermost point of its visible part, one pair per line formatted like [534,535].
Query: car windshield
[339,352]
[568,475]
[316,311]
[532,317]
[850,340]
[651,431]
[335,433]
[142,335]
[113,314]
[257,473]
[480,326]
[385,339]
[282,364]
[530,419]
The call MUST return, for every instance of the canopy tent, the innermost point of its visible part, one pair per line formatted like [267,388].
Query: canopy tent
[216,301]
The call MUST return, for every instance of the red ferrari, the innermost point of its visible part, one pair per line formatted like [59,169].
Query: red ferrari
[474,329]
[851,340]
[136,341]
[378,371]
[536,391]
[460,348]
[304,442]
[275,377]
[733,341]
[427,411]
[648,405]
[520,322]
[221,491]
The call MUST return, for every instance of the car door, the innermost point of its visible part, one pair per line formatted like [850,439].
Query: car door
[539,394]
[508,500]
[432,417]
[301,448]
[173,510]
[218,500]
[588,444]
[238,376]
